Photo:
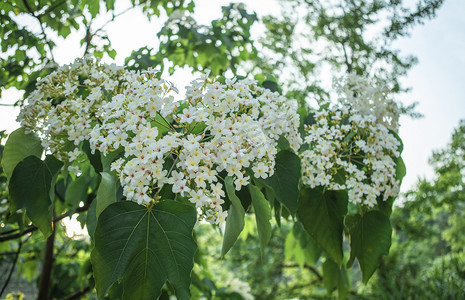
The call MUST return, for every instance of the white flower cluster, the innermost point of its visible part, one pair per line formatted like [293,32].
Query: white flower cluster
[349,148]
[217,128]
[63,108]
[368,98]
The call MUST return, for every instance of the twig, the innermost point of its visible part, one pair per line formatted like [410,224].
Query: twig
[12,267]
[56,219]
[312,269]
[78,294]
[39,18]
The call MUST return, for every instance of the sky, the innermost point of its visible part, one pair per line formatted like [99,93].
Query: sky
[437,81]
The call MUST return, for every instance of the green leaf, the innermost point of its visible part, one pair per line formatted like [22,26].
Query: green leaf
[19,146]
[54,165]
[285,180]
[370,237]
[29,188]
[94,7]
[91,219]
[108,159]
[95,158]
[300,247]
[283,143]
[322,214]
[144,248]
[235,220]
[343,286]
[106,193]
[401,143]
[76,191]
[263,215]
[271,85]
[311,250]
[401,170]
[112,53]
[331,274]
[335,276]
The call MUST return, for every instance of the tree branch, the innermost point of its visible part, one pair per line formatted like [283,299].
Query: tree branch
[312,269]
[78,210]
[78,294]
[39,18]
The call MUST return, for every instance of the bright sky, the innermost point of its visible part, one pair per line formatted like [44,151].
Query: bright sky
[438,81]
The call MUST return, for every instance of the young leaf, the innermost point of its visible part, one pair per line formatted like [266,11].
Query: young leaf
[29,188]
[263,215]
[322,214]
[19,146]
[285,180]
[144,248]
[235,220]
[106,193]
[95,158]
[401,171]
[370,237]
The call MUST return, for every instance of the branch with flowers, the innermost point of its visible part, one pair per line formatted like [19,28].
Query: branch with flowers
[159,165]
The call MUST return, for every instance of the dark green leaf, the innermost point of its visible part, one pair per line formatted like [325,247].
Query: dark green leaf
[235,220]
[106,193]
[331,274]
[271,85]
[111,157]
[343,286]
[144,248]
[94,158]
[53,164]
[91,219]
[335,276]
[19,146]
[322,214]
[370,237]
[263,215]
[76,192]
[285,180]
[29,188]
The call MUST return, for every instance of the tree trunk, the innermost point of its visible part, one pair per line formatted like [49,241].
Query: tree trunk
[47,267]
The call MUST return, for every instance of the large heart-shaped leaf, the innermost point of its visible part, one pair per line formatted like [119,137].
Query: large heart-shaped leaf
[285,180]
[322,214]
[29,188]
[370,237]
[144,247]
[19,146]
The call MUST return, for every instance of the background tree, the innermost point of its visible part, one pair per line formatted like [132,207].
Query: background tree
[427,259]
[312,38]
